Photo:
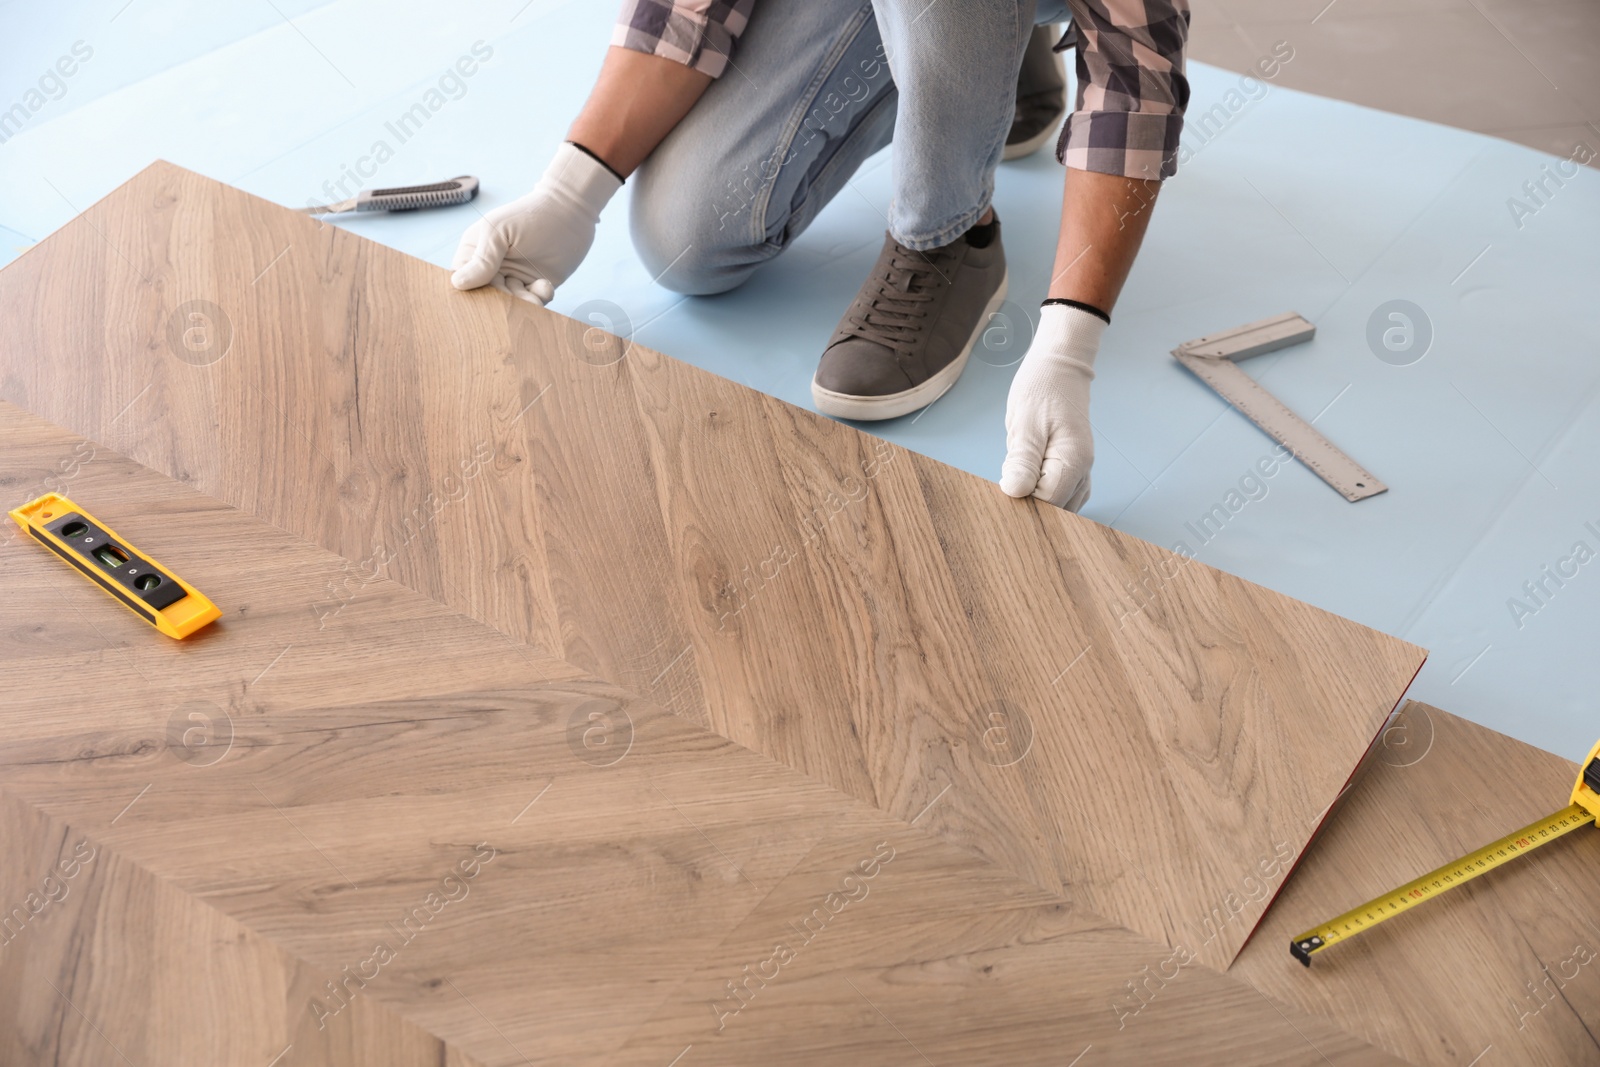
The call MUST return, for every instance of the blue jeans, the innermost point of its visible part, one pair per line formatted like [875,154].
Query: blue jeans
[814,88]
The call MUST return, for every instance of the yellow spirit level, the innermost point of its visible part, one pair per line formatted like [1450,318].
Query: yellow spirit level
[1583,810]
[142,585]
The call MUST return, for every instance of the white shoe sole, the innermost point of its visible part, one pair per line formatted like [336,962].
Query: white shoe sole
[1032,144]
[892,406]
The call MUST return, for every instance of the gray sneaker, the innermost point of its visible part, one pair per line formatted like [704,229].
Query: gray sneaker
[1041,96]
[907,337]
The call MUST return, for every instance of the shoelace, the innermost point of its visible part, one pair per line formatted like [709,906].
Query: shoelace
[896,312]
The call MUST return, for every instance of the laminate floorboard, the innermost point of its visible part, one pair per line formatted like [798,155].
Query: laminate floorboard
[405,777]
[966,966]
[470,552]
[1089,712]
[119,966]
[1503,970]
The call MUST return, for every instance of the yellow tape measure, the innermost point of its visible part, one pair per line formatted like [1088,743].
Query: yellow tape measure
[136,581]
[1583,810]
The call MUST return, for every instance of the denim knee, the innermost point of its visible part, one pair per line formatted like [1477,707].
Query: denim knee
[687,238]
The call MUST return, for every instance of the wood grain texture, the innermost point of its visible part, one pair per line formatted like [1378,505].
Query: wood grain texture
[1504,970]
[1090,712]
[963,964]
[398,851]
[456,538]
[119,966]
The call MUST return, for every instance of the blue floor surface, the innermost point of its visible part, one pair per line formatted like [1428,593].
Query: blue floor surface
[1486,549]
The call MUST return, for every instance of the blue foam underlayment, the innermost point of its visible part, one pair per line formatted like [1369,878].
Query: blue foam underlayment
[1293,202]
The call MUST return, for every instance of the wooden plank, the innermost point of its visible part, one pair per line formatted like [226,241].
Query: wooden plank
[942,958]
[103,962]
[869,618]
[1503,970]
[538,899]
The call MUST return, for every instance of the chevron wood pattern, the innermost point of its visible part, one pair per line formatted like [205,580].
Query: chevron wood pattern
[575,706]
[321,868]
[254,812]
[1082,708]
[121,966]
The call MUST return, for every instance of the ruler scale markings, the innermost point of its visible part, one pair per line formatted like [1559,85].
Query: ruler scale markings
[1581,812]
[1213,359]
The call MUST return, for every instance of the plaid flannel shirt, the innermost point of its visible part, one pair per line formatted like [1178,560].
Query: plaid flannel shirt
[699,33]
[1131,85]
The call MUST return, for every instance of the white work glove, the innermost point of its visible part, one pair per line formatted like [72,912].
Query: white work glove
[533,244]
[1049,445]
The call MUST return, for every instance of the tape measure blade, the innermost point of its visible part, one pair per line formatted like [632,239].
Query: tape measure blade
[1438,881]
[1247,396]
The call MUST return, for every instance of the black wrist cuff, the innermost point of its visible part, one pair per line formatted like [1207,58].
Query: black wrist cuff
[590,153]
[1081,306]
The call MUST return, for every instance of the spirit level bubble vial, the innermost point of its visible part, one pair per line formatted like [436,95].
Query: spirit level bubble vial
[138,582]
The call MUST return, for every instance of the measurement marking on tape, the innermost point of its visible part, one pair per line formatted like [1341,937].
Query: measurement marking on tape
[1213,359]
[1581,812]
